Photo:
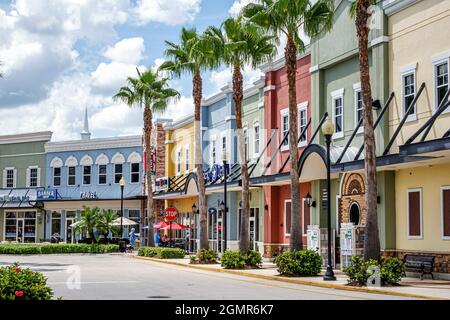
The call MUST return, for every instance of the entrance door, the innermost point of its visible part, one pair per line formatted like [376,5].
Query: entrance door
[20,230]
[69,230]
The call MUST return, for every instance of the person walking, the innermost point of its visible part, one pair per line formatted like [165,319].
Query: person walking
[132,238]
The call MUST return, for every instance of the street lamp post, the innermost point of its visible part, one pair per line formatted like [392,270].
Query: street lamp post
[224,206]
[122,186]
[328,131]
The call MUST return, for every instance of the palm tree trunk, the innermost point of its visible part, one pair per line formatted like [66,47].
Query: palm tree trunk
[371,236]
[291,69]
[238,95]
[148,174]
[197,94]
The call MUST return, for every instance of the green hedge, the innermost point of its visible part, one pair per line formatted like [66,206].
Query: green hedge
[234,259]
[161,253]
[205,256]
[57,248]
[299,263]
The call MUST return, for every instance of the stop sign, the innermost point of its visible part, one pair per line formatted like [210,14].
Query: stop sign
[171,214]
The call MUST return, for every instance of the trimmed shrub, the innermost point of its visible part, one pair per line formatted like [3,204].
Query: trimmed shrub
[391,270]
[205,256]
[161,253]
[253,258]
[147,252]
[22,284]
[17,249]
[299,263]
[233,259]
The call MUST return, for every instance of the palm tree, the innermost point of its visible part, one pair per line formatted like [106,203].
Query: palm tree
[88,222]
[192,56]
[105,222]
[288,17]
[359,10]
[151,92]
[238,43]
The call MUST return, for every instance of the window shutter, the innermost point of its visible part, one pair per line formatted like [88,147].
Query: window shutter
[414,214]
[38,177]
[28,177]
[446,212]
[287,212]
[4,178]
[15,178]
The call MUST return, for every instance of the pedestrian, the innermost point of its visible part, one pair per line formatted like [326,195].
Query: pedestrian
[132,238]
[157,238]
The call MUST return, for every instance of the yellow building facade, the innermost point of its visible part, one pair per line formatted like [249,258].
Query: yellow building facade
[419,60]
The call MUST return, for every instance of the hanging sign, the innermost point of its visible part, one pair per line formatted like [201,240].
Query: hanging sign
[171,214]
[313,238]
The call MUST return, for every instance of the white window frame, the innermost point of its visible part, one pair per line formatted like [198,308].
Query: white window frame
[336,95]
[436,63]
[102,174]
[421,214]
[5,176]
[187,157]
[28,177]
[404,72]
[246,142]
[83,175]
[213,150]
[178,161]
[303,217]
[302,107]
[443,188]
[68,176]
[356,90]
[224,146]
[257,142]
[284,113]
[131,172]
[286,234]
[53,176]
[115,172]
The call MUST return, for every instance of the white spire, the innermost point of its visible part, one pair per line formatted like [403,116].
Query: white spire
[85,134]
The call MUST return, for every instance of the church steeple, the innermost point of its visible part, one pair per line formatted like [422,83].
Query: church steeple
[85,134]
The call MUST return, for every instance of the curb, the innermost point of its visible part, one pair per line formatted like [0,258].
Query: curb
[292,280]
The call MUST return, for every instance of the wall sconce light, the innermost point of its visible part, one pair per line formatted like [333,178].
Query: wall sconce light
[309,201]
[376,104]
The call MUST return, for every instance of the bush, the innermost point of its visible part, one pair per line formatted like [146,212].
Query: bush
[253,258]
[299,263]
[391,270]
[161,253]
[205,256]
[22,284]
[18,249]
[233,259]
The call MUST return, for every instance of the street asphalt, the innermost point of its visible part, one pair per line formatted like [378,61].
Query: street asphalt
[121,277]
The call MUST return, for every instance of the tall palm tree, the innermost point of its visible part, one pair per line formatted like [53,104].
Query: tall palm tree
[360,11]
[192,56]
[288,17]
[151,92]
[105,222]
[238,43]
[88,222]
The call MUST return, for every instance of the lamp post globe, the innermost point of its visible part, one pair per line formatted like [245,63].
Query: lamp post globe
[328,129]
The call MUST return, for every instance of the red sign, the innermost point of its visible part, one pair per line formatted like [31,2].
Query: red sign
[171,214]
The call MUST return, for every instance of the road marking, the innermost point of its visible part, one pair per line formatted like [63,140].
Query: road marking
[94,282]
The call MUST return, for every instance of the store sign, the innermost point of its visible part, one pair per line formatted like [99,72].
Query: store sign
[171,214]
[347,240]
[313,238]
[162,184]
[49,194]
[216,173]
[14,198]
[88,195]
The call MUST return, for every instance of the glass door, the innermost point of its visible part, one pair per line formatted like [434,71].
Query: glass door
[20,231]
[69,233]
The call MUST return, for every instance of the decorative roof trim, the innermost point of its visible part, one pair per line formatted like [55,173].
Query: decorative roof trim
[94,144]
[393,6]
[26,137]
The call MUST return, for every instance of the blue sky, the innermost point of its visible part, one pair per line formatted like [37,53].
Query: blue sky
[59,56]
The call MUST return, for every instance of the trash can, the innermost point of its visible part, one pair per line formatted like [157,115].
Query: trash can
[122,246]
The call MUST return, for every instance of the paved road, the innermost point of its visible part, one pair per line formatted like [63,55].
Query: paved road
[118,277]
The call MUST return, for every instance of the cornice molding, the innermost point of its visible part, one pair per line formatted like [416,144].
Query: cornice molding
[26,137]
[94,144]
[391,7]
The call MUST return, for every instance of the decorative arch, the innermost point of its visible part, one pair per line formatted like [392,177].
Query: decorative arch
[134,158]
[312,163]
[191,185]
[353,184]
[352,196]
[102,159]
[118,158]
[56,163]
[71,162]
[86,161]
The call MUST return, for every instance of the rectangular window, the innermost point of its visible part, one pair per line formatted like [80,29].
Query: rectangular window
[415,213]
[56,223]
[179,161]
[446,212]
[135,173]
[213,151]
[409,91]
[441,81]
[306,217]
[56,177]
[338,108]
[224,143]
[71,176]
[10,178]
[246,143]
[358,107]
[33,178]
[285,128]
[118,172]
[102,172]
[257,139]
[302,116]
[87,171]
[287,217]
[188,159]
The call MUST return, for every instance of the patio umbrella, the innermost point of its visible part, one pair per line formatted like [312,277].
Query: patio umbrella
[161,224]
[75,224]
[175,226]
[125,222]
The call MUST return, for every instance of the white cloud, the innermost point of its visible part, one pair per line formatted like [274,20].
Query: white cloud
[178,109]
[171,12]
[130,50]
[218,79]
[109,77]
[238,5]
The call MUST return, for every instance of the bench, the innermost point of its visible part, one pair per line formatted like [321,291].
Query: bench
[422,264]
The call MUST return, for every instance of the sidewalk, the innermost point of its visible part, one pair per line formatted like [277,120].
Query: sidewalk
[410,287]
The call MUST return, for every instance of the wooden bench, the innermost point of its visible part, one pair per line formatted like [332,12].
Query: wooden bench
[422,264]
